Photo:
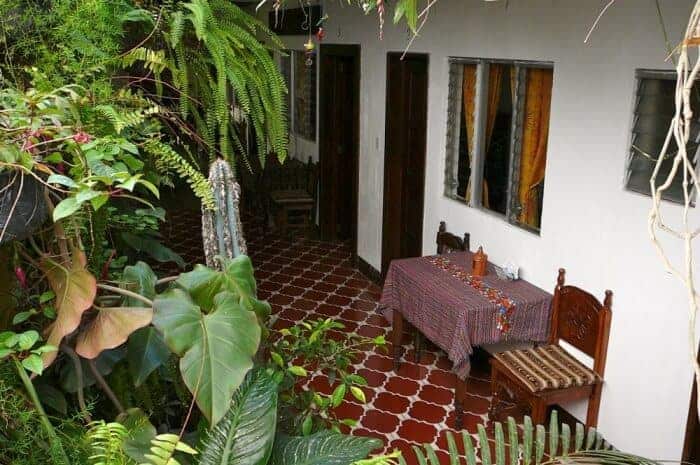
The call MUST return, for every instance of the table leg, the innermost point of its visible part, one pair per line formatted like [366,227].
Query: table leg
[396,337]
[460,397]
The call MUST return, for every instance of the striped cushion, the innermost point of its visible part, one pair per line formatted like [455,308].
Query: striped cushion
[547,367]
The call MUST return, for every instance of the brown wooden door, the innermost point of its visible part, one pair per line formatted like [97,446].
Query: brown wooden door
[338,141]
[404,156]
[691,447]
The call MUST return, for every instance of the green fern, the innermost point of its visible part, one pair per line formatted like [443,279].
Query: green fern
[167,158]
[537,447]
[163,448]
[218,63]
[106,440]
[121,120]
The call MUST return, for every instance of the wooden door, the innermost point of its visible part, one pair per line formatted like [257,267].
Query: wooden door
[691,447]
[338,141]
[404,156]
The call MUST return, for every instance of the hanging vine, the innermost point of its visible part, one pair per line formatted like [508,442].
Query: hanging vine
[678,137]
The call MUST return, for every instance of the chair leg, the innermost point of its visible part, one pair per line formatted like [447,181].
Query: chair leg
[396,337]
[539,411]
[418,343]
[594,406]
[460,397]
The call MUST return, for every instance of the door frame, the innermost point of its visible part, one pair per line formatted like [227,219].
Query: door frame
[385,200]
[692,427]
[343,50]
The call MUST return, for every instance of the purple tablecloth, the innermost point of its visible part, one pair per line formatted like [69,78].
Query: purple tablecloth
[454,310]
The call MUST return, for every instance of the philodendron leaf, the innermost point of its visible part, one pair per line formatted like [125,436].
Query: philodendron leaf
[153,247]
[322,448]
[141,279]
[141,433]
[111,328]
[237,278]
[146,352]
[75,290]
[246,434]
[217,348]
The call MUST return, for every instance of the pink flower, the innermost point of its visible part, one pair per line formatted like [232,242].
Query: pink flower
[82,137]
[21,277]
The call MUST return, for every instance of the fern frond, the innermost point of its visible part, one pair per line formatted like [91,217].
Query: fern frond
[163,449]
[533,448]
[166,157]
[106,441]
[153,60]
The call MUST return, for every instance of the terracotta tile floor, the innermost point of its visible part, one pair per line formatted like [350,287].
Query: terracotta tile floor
[306,280]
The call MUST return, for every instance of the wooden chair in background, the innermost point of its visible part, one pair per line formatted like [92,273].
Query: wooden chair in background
[548,374]
[292,195]
[448,242]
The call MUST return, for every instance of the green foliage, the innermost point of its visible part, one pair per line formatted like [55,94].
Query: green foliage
[322,448]
[63,38]
[23,440]
[224,74]
[23,348]
[166,158]
[146,352]
[537,446]
[163,449]
[209,319]
[247,432]
[307,349]
[106,440]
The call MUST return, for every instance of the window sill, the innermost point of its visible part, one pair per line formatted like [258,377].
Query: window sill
[493,214]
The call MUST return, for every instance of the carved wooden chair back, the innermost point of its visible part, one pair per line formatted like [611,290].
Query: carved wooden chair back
[582,321]
[448,242]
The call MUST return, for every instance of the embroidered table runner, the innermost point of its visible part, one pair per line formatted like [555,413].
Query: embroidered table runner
[455,310]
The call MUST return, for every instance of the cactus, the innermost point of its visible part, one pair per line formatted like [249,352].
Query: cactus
[222,231]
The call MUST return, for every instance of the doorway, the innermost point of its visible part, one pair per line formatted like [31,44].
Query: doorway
[691,447]
[339,111]
[404,156]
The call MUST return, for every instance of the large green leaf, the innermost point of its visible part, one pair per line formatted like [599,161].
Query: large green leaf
[146,351]
[217,349]
[141,433]
[237,278]
[153,247]
[141,279]
[323,448]
[246,434]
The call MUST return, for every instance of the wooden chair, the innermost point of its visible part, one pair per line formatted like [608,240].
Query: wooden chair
[547,374]
[446,243]
[292,193]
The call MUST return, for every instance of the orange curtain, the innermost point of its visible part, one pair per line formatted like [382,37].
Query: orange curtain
[469,102]
[533,158]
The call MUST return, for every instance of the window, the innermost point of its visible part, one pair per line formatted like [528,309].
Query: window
[653,110]
[498,125]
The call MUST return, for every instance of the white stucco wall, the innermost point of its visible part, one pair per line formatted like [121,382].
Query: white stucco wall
[591,225]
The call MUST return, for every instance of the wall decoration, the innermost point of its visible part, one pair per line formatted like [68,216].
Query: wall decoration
[304,95]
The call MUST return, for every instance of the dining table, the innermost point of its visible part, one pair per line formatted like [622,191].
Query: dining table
[456,310]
